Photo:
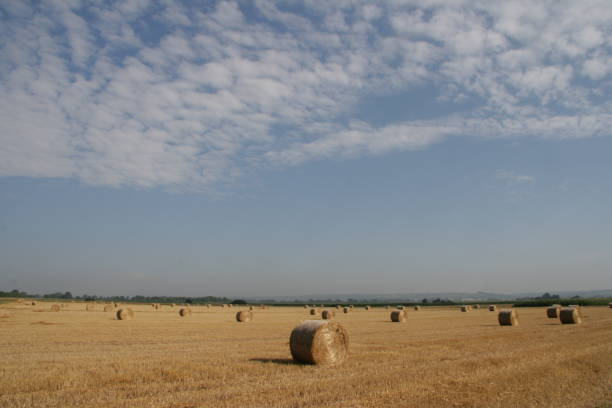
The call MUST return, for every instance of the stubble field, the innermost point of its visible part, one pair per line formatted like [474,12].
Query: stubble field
[439,358]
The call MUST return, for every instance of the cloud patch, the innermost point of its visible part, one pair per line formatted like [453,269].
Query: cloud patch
[161,94]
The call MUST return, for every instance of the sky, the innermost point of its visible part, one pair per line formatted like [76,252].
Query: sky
[270,148]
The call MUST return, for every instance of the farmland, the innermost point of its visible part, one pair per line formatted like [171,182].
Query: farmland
[439,357]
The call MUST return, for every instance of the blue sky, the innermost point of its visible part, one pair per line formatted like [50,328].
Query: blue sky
[270,148]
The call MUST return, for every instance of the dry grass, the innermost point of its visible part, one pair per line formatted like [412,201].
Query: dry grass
[438,358]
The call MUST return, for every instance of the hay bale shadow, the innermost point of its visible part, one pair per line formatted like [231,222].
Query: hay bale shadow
[279,361]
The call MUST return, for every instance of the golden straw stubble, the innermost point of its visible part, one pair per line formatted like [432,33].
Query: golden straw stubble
[320,342]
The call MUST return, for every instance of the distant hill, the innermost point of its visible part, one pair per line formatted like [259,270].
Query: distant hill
[418,296]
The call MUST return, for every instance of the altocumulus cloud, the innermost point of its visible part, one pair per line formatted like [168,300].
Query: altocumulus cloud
[190,95]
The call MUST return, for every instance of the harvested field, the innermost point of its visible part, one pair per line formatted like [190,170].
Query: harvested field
[438,358]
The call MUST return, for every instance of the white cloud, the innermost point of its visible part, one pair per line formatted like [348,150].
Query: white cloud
[159,94]
[513,177]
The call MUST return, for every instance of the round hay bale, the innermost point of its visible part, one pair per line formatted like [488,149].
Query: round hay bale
[21,301]
[553,312]
[338,307]
[33,303]
[90,306]
[55,308]
[400,308]
[464,308]
[610,305]
[251,308]
[492,308]
[314,312]
[116,305]
[124,314]
[507,317]
[109,308]
[346,309]
[351,307]
[398,316]
[244,316]
[570,315]
[476,306]
[327,314]
[367,308]
[184,311]
[306,306]
[417,308]
[319,342]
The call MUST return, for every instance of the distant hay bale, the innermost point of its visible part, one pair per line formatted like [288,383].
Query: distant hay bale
[184,311]
[610,305]
[464,308]
[327,314]
[314,312]
[55,308]
[153,305]
[469,307]
[338,307]
[124,314]
[109,308]
[492,308]
[476,306]
[417,308]
[251,308]
[244,316]
[570,315]
[346,309]
[319,342]
[400,307]
[208,306]
[90,306]
[33,303]
[21,301]
[398,316]
[306,306]
[351,307]
[553,312]
[172,304]
[116,305]
[387,307]
[507,317]
[368,307]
